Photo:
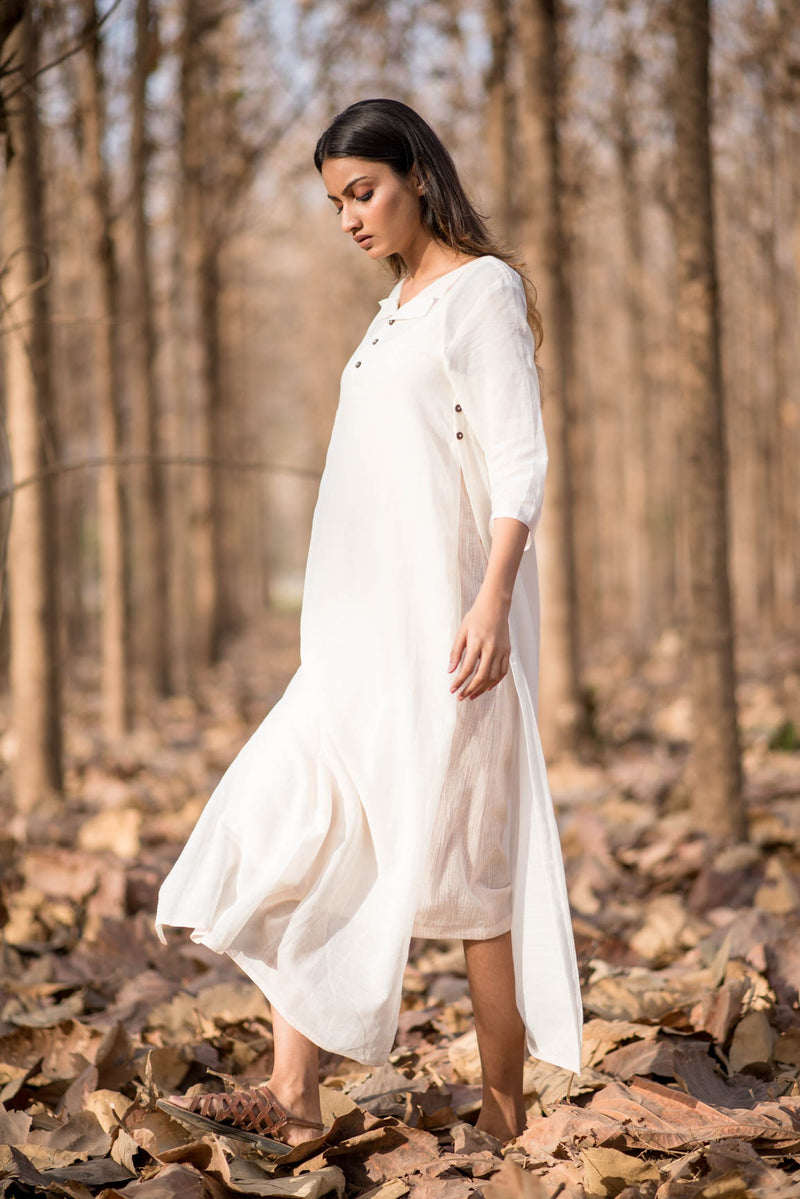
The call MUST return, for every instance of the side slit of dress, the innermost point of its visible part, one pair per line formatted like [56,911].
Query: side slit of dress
[466,890]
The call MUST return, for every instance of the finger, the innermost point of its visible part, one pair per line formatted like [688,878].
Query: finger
[503,669]
[505,663]
[497,672]
[464,675]
[493,676]
[485,673]
[467,666]
[459,646]
[478,687]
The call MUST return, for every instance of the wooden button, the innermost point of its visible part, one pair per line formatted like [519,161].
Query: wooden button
[459,435]
[375,341]
[391,322]
[358,364]
[458,407]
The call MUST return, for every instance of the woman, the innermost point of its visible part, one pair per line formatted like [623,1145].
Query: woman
[373,803]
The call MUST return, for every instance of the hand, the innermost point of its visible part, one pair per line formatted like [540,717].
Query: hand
[484,640]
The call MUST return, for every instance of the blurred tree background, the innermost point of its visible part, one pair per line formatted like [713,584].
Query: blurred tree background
[178,301]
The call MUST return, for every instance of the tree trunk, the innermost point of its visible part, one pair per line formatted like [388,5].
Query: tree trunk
[792,408]
[193,233]
[216,487]
[32,547]
[715,769]
[101,269]
[177,479]
[786,550]
[546,249]
[634,399]
[500,118]
[146,490]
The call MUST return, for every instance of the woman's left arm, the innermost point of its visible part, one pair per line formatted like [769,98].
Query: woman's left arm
[483,632]
[491,363]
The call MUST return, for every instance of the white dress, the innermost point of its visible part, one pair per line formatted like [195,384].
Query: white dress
[371,804]
[466,889]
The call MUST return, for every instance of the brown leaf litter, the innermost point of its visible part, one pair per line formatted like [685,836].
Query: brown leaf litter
[690,963]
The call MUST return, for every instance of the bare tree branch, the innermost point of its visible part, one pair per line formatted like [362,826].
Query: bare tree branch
[58,468]
[85,39]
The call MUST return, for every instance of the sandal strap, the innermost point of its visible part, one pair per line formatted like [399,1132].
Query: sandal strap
[257,1110]
[286,1116]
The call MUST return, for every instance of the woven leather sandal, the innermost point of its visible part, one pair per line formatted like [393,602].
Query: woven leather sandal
[251,1115]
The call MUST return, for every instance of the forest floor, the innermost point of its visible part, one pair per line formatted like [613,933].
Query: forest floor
[689,952]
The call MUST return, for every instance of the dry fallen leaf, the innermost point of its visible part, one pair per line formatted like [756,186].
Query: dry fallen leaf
[608,1171]
[691,1054]
[511,1182]
[751,1047]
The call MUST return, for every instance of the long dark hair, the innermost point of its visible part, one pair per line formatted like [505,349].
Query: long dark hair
[391,132]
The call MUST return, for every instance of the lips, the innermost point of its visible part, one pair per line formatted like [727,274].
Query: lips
[363,237]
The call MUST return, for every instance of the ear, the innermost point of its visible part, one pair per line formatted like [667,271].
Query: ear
[419,185]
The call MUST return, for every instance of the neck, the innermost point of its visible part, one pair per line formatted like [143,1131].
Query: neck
[424,260]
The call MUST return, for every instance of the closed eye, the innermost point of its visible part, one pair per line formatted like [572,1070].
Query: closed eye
[366,196]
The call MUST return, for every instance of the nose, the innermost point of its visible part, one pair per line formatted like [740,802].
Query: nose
[349,219]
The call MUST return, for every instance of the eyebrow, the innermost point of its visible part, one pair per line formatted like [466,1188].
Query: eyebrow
[351,184]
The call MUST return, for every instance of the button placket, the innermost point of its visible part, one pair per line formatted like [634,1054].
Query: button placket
[360,362]
[459,432]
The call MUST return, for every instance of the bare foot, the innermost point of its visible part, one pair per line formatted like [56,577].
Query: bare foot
[503,1122]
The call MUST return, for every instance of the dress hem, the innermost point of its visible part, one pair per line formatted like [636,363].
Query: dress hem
[445,933]
[564,1060]
[250,967]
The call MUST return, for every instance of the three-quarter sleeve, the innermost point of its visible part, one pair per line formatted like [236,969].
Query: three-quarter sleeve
[489,358]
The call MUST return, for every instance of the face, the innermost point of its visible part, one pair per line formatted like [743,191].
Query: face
[377,208]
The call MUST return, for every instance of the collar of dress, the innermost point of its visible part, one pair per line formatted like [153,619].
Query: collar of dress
[423,301]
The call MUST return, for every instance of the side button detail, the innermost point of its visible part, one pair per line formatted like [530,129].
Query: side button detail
[459,435]
[458,407]
[391,322]
[358,364]
[375,341]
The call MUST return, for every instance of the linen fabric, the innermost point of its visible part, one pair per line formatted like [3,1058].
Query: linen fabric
[466,889]
[308,865]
